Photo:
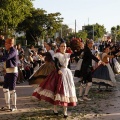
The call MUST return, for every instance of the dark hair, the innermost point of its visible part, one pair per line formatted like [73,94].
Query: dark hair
[105,48]
[48,57]
[21,56]
[62,41]
[49,44]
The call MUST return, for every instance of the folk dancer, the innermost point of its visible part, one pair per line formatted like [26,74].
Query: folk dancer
[11,75]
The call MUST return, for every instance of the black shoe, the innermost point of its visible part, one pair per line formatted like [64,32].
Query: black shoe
[55,113]
[5,108]
[65,116]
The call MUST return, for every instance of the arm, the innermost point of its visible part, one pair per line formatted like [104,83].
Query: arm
[57,64]
[76,53]
[8,56]
[110,56]
[31,59]
[117,54]
[88,55]
[95,58]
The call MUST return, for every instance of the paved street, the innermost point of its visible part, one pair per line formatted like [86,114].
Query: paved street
[104,105]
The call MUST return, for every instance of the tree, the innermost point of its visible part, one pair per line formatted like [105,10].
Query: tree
[95,31]
[82,34]
[53,23]
[40,24]
[12,12]
[64,31]
[115,32]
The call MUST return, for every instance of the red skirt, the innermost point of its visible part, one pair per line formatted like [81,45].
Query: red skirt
[52,91]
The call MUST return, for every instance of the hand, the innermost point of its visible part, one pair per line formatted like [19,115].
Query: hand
[60,72]
[118,54]
[100,62]
[4,71]
[103,63]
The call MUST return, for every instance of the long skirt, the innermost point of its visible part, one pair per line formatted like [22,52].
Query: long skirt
[58,89]
[103,75]
[116,65]
[40,75]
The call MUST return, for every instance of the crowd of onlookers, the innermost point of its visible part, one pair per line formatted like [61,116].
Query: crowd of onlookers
[27,63]
[113,47]
[30,59]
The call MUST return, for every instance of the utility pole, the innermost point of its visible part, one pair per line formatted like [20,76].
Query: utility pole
[88,21]
[93,32]
[75,28]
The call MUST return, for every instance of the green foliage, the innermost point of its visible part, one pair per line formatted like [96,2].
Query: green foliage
[95,31]
[82,34]
[13,12]
[71,35]
[64,31]
[115,32]
[53,22]
[40,24]
[21,40]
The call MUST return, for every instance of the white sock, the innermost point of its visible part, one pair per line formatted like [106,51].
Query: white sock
[55,109]
[7,97]
[65,110]
[13,97]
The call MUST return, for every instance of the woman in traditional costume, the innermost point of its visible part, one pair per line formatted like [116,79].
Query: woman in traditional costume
[114,62]
[104,75]
[58,88]
[44,70]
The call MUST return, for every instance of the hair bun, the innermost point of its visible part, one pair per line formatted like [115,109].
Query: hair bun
[62,40]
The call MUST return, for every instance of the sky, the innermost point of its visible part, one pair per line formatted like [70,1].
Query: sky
[103,12]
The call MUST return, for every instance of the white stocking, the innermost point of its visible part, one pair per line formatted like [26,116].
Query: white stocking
[88,86]
[14,97]
[65,110]
[55,109]
[7,97]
